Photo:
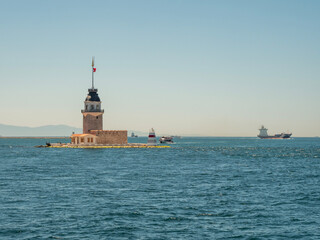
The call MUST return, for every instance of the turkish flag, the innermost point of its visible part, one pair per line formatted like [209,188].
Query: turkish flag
[94,69]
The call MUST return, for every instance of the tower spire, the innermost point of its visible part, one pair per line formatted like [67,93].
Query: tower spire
[93,71]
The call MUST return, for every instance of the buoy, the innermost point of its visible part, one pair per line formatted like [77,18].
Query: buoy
[152,140]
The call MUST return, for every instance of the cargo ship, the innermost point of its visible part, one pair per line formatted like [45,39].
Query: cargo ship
[264,134]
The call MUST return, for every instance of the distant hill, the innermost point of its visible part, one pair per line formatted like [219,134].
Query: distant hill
[49,130]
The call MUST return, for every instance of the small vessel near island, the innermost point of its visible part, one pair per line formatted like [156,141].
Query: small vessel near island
[167,139]
[264,134]
[133,135]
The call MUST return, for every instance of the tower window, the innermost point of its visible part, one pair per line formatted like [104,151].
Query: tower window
[91,107]
[97,117]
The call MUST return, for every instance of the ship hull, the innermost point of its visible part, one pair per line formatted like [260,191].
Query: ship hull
[278,136]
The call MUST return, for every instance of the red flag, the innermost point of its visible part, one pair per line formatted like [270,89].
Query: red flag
[94,69]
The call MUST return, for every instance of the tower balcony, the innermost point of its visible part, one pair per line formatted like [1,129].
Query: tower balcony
[93,110]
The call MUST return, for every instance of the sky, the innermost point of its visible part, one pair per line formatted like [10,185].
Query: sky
[192,68]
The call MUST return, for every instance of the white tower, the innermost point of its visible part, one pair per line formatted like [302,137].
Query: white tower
[152,140]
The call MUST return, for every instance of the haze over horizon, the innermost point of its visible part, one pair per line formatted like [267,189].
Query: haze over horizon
[206,68]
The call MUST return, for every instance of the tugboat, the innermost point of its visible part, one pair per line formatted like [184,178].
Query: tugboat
[264,134]
[166,139]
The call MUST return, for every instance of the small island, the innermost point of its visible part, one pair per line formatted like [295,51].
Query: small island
[93,135]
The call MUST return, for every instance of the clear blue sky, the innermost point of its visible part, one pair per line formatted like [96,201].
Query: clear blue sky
[210,68]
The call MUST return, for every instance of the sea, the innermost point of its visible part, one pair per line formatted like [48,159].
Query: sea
[200,188]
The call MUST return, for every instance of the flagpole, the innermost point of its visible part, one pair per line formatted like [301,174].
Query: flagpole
[92,78]
[92,73]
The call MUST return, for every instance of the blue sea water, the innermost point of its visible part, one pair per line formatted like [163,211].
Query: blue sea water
[201,188]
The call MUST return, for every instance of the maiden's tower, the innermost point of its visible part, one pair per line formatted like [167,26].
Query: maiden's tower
[93,132]
[93,135]
[92,112]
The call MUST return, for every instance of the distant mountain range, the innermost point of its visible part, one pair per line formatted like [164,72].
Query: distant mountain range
[43,131]
[46,131]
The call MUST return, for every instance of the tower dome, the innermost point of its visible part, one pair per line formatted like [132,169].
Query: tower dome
[92,95]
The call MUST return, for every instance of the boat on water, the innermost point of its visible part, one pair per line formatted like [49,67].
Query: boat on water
[264,134]
[167,139]
[133,135]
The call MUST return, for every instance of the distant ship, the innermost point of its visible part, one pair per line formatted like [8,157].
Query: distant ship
[264,134]
[133,135]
